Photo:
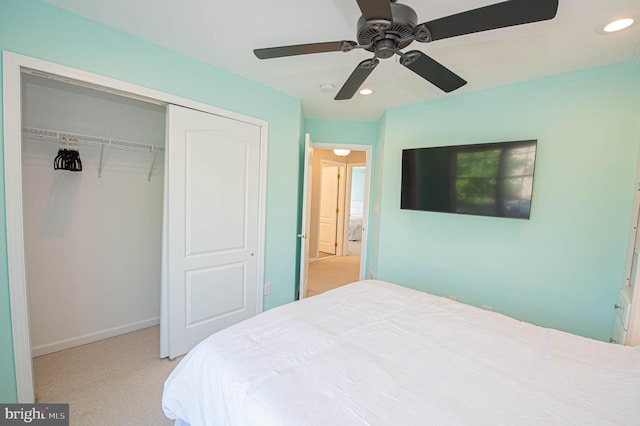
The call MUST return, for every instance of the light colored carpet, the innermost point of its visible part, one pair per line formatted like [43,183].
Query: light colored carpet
[354,248]
[115,381]
[119,381]
[331,273]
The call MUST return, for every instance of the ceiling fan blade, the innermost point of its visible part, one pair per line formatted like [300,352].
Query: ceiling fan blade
[304,49]
[498,15]
[357,77]
[432,71]
[375,10]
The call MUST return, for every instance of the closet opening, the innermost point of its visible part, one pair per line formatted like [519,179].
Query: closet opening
[92,193]
[203,133]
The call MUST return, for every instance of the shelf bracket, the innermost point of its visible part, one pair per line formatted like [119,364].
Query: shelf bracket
[100,164]
[153,163]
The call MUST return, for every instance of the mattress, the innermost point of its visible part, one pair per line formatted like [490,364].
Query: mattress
[374,353]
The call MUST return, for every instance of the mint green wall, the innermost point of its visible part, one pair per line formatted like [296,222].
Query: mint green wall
[36,29]
[346,132]
[564,267]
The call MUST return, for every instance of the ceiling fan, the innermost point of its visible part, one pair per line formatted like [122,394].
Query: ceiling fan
[386,27]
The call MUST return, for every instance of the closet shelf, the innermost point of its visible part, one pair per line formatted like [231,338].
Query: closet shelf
[92,140]
[98,140]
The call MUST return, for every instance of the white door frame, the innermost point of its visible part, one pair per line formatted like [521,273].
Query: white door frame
[368,149]
[631,282]
[13,66]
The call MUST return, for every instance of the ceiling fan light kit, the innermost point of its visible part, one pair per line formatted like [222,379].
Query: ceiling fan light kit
[387,27]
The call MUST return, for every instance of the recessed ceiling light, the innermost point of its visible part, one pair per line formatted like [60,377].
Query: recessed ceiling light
[618,25]
[327,87]
[614,26]
[366,92]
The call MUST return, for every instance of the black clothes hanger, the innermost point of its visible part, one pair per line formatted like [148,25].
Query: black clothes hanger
[68,157]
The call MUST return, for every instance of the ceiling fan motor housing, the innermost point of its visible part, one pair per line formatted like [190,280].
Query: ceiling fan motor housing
[385,41]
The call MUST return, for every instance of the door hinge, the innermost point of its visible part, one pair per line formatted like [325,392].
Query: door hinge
[335,244]
[337,210]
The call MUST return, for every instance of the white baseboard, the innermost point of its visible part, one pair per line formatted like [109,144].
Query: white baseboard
[92,337]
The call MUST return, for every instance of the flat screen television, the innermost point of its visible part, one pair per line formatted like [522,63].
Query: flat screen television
[491,179]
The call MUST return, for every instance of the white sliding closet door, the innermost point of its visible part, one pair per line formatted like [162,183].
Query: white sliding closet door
[212,225]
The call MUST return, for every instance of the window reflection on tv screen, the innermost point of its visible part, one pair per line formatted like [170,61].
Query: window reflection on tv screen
[493,179]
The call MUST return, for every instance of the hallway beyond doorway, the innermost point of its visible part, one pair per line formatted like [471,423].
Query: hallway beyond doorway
[333,272]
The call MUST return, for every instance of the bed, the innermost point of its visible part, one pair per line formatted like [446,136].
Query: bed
[375,353]
[355,221]
[355,228]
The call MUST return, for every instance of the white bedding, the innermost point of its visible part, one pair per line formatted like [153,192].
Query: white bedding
[355,220]
[373,353]
[355,228]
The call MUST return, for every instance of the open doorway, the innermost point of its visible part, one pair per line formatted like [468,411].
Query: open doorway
[337,219]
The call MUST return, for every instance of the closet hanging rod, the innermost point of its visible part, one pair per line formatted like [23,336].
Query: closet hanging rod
[92,140]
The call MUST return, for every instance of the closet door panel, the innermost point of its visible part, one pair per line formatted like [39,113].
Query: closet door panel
[213,221]
[224,288]
[217,207]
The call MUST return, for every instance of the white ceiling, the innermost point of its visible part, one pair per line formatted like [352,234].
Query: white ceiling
[224,34]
